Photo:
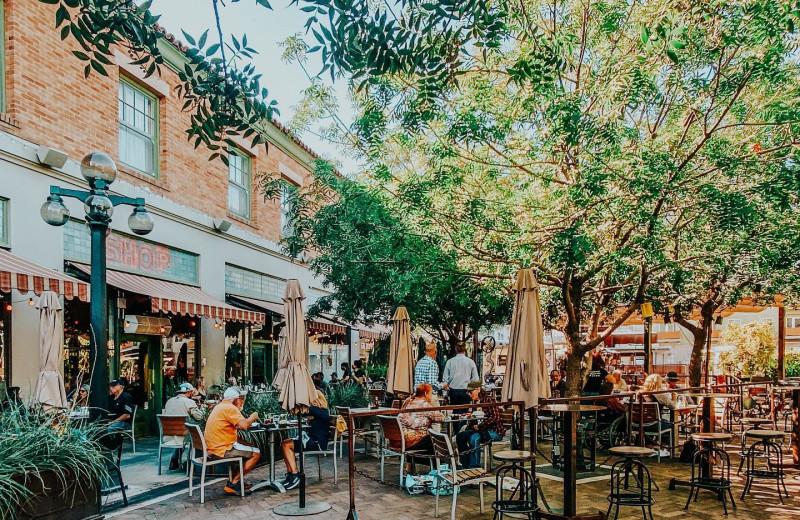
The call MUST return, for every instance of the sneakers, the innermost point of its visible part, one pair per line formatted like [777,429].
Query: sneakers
[235,489]
[291,481]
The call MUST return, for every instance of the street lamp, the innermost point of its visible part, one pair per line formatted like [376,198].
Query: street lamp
[100,171]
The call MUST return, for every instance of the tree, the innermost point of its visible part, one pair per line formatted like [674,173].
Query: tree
[752,347]
[374,260]
[572,137]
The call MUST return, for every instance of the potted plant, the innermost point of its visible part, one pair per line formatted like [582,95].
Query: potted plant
[50,469]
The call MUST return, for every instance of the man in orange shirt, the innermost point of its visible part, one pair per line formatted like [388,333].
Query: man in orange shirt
[221,439]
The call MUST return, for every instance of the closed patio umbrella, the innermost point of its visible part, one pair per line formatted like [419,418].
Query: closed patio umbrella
[400,373]
[50,386]
[283,361]
[298,392]
[526,371]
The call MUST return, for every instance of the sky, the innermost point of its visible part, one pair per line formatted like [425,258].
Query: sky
[265,30]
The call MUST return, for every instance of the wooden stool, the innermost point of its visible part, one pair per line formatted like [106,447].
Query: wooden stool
[703,464]
[767,450]
[621,492]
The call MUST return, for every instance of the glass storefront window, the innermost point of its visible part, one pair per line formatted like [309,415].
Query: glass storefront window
[5,346]
[237,352]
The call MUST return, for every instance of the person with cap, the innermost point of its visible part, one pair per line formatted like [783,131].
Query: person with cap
[490,429]
[319,430]
[120,407]
[458,372]
[221,437]
[672,380]
[181,404]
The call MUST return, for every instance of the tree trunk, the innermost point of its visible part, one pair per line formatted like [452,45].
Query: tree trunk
[696,362]
[574,376]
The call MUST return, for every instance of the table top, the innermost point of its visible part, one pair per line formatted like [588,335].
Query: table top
[367,409]
[715,395]
[764,434]
[755,420]
[514,455]
[709,436]
[566,408]
[631,451]
[459,418]
[786,388]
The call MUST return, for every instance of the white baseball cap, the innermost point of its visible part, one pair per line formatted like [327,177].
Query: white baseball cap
[232,393]
[185,387]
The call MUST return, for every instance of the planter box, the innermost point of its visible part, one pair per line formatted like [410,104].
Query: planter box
[56,500]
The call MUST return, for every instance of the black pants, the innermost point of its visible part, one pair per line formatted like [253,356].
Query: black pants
[459,397]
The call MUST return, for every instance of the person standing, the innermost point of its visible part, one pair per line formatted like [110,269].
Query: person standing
[120,406]
[458,372]
[181,405]
[427,369]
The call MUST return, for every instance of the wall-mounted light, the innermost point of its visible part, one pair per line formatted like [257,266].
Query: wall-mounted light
[222,225]
[51,157]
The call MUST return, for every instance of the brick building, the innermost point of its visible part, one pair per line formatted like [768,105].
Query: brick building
[190,255]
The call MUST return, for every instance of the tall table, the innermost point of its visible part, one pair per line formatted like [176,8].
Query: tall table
[571,414]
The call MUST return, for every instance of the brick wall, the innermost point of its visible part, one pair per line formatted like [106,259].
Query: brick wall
[49,101]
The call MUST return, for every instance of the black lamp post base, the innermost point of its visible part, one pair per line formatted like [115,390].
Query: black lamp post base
[293,509]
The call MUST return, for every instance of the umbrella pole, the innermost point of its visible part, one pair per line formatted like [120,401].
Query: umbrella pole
[301,466]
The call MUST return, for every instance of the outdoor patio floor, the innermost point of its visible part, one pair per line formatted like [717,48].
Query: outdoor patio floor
[377,501]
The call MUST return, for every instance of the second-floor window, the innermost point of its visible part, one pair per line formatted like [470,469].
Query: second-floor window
[3,223]
[138,128]
[238,184]
[288,192]
[793,322]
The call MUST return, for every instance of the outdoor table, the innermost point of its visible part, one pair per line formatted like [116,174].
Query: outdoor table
[522,500]
[570,456]
[709,417]
[455,419]
[675,415]
[271,431]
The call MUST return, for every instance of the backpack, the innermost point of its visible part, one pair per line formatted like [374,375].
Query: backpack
[688,451]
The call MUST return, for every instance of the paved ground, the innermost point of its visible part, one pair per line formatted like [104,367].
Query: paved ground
[383,502]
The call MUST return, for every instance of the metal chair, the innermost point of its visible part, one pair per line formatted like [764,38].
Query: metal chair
[170,426]
[199,445]
[393,444]
[648,415]
[443,450]
[361,433]
[113,458]
[323,453]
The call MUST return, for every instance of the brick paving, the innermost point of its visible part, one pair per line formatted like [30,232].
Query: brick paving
[381,502]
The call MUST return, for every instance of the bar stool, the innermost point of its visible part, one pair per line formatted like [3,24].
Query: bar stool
[621,493]
[767,450]
[703,464]
[522,500]
[748,424]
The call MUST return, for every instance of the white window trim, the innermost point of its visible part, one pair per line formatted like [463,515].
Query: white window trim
[153,82]
[247,163]
[156,123]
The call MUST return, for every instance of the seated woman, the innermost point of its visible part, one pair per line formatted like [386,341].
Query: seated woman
[416,424]
[81,397]
[654,383]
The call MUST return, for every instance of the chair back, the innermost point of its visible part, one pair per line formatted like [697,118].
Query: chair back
[344,411]
[443,450]
[171,426]
[198,441]
[647,413]
[508,417]
[392,431]
[396,404]
[376,392]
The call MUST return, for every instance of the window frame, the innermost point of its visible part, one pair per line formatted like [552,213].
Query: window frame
[156,126]
[248,172]
[2,57]
[5,222]
[284,212]
[792,322]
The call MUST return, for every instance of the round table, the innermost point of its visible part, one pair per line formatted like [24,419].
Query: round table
[570,449]
[521,501]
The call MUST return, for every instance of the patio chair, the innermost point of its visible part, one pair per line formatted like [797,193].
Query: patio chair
[199,445]
[393,444]
[170,426]
[649,416]
[443,450]
[113,458]
[358,433]
[324,453]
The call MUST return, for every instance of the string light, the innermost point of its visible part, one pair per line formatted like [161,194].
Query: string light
[30,302]
[8,307]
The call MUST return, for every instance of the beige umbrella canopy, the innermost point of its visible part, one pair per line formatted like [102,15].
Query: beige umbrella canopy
[298,391]
[50,387]
[526,371]
[400,373]
[283,361]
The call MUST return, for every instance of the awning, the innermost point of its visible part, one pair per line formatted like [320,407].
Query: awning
[317,323]
[24,275]
[373,333]
[177,298]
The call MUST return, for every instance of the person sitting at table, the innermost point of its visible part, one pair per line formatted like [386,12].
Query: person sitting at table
[334,379]
[654,383]
[596,377]
[491,428]
[221,437]
[319,381]
[319,421]
[416,424]
[200,391]
[80,397]
[558,387]
[181,404]
[620,385]
[120,407]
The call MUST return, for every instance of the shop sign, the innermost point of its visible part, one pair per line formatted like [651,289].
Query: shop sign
[133,255]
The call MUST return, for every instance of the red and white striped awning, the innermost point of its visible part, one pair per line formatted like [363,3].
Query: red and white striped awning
[24,276]
[178,298]
[315,324]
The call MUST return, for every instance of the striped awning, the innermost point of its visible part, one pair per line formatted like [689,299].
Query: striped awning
[316,324]
[24,276]
[177,298]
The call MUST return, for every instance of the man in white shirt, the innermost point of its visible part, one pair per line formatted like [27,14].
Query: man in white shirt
[458,372]
[181,404]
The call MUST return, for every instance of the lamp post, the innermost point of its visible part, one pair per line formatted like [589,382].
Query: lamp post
[100,171]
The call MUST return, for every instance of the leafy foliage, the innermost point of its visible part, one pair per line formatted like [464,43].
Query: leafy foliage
[349,396]
[753,347]
[219,86]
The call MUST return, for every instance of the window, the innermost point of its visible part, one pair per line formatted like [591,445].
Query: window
[288,192]
[138,128]
[238,184]
[793,322]
[733,321]
[244,282]
[3,222]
